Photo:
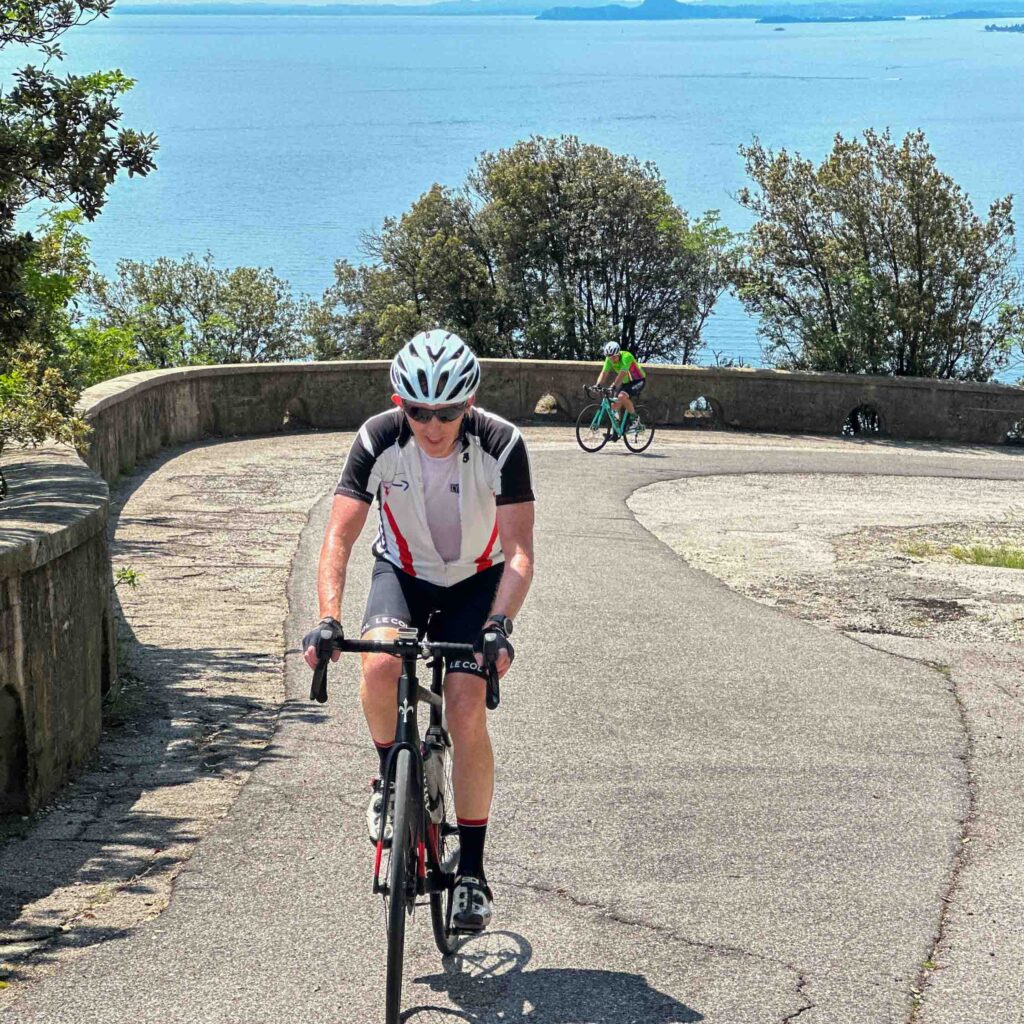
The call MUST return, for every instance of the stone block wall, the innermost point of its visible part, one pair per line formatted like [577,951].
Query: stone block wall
[57,653]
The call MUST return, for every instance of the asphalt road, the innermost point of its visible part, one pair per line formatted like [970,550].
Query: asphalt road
[706,810]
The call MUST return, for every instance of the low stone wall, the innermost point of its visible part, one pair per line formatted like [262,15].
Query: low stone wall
[56,646]
[57,653]
[134,416]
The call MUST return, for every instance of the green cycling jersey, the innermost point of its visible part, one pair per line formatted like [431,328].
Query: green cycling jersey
[626,361]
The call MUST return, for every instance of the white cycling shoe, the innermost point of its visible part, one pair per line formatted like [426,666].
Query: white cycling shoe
[471,904]
[373,814]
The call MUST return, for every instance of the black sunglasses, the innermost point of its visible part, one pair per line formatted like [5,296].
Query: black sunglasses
[424,413]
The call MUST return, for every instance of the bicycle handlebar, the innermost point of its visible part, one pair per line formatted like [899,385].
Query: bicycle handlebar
[406,647]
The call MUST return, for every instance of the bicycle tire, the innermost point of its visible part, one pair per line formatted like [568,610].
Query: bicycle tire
[589,439]
[440,902]
[640,433]
[403,865]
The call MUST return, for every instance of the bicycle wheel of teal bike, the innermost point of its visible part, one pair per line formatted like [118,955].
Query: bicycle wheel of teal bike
[401,882]
[640,432]
[592,429]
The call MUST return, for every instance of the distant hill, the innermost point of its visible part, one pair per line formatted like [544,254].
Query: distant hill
[446,7]
[781,11]
[792,11]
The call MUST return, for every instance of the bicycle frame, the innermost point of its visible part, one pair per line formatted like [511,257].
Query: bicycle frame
[618,423]
[407,737]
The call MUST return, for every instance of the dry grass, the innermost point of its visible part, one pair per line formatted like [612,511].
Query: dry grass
[981,554]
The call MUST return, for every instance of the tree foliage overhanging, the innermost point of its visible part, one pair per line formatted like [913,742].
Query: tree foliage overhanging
[549,250]
[60,142]
[875,262]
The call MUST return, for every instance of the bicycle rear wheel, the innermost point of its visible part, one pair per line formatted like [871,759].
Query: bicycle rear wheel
[640,432]
[591,430]
[401,880]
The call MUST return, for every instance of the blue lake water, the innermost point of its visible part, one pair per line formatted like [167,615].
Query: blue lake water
[284,138]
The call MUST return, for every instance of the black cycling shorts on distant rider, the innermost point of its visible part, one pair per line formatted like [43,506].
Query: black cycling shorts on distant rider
[397,599]
[633,387]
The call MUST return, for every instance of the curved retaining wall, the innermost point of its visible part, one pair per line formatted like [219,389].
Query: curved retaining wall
[134,416]
[57,653]
[56,641]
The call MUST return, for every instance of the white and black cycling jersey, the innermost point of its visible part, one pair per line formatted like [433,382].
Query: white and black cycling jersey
[494,469]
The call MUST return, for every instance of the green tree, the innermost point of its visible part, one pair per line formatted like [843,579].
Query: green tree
[36,403]
[875,262]
[55,278]
[187,312]
[589,248]
[59,142]
[549,250]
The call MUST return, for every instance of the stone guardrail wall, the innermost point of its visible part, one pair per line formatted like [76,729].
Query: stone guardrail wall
[57,647]
[56,639]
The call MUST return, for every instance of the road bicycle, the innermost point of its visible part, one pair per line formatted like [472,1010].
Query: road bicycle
[423,852]
[598,424]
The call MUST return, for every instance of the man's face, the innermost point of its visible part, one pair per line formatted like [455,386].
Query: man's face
[435,437]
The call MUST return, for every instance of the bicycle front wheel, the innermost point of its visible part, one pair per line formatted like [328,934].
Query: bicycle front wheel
[591,430]
[401,880]
[640,432]
[448,857]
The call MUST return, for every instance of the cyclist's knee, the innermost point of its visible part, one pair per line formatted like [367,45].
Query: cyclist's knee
[380,672]
[465,707]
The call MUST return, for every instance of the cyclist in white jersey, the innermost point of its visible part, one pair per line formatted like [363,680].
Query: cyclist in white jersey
[455,533]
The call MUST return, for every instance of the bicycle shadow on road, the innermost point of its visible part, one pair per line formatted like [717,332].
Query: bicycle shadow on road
[486,979]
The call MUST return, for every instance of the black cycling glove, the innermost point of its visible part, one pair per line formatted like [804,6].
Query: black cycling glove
[324,645]
[503,642]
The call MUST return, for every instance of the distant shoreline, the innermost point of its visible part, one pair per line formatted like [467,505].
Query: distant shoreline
[650,10]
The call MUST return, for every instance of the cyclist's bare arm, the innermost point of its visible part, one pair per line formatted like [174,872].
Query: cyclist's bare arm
[515,530]
[348,515]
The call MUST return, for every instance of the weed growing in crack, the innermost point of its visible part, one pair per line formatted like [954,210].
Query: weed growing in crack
[980,554]
[919,549]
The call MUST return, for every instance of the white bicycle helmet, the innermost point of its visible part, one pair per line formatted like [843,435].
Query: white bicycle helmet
[612,349]
[435,368]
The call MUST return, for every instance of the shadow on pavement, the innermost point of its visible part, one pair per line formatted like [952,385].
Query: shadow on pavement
[487,980]
[106,833]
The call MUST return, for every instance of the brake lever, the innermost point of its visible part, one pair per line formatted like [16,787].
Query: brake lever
[490,652]
[318,688]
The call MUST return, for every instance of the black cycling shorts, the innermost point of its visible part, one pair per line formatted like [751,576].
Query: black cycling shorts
[398,599]
[633,387]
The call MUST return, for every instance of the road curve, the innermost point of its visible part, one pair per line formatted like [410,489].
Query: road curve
[706,811]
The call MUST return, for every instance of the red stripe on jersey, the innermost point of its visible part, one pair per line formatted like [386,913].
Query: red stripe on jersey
[484,560]
[403,545]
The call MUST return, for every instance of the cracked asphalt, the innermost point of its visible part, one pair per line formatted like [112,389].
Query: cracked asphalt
[706,809]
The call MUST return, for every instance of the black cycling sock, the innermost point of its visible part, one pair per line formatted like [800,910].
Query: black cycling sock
[383,749]
[471,847]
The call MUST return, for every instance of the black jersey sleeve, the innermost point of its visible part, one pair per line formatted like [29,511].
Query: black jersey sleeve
[375,437]
[355,477]
[515,483]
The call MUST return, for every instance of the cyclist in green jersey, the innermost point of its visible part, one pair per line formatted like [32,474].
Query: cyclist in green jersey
[629,375]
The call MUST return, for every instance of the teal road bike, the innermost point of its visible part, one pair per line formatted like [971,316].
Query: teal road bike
[598,423]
